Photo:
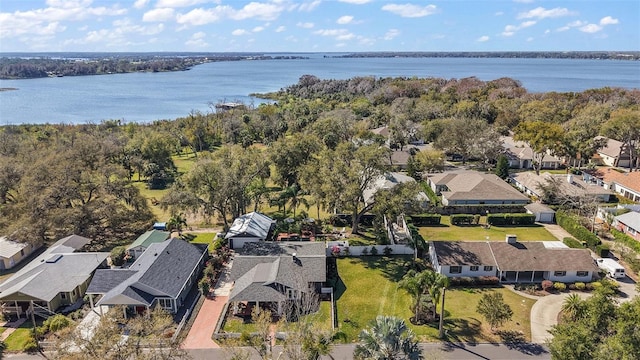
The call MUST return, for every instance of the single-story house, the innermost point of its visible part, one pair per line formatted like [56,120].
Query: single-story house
[12,252]
[570,185]
[248,228]
[388,181]
[520,155]
[56,278]
[513,261]
[162,276]
[629,224]
[277,274]
[474,188]
[624,183]
[543,213]
[143,241]
[615,153]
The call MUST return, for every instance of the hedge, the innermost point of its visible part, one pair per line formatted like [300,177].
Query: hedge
[572,243]
[626,240]
[425,219]
[463,219]
[571,225]
[602,250]
[511,219]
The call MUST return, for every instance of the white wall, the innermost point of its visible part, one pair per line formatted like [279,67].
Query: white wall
[466,271]
[570,277]
[357,250]
[238,242]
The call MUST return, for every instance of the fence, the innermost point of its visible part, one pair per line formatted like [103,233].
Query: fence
[346,250]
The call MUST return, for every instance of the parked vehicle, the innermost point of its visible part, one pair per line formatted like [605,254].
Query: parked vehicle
[612,267]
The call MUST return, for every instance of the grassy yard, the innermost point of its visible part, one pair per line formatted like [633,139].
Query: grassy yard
[322,319]
[369,288]
[17,340]
[203,238]
[449,232]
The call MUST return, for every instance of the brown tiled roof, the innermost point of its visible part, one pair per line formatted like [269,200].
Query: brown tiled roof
[533,255]
[612,148]
[463,253]
[630,180]
[473,185]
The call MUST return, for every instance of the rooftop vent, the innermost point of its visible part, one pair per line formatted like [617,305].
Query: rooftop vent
[511,239]
[54,258]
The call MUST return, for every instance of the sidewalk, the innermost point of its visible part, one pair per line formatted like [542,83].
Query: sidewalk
[199,336]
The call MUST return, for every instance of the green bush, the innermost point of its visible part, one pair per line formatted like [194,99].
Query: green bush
[387,251]
[56,323]
[509,219]
[626,240]
[117,255]
[602,250]
[425,219]
[374,251]
[580,286]
[462,219]
[572,243]
[560,286]
[573,227]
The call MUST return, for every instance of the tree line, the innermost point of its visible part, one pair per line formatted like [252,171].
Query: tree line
[311,148]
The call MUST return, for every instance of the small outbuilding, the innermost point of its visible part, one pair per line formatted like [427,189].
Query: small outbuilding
[543,213]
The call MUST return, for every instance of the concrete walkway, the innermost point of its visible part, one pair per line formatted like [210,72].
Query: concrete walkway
[10,328]
[199,336]
[557,231]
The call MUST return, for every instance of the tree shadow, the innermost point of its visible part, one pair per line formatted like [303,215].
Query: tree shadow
[393,268]
[339,289]
[514,340]
[467,331]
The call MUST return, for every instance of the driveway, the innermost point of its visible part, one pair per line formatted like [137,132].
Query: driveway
[544,314]
[199,336]
[557,231]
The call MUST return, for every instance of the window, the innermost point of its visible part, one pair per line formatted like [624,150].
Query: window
[488,268]
[582,273]
[21,252]
[291,294]
[455,269]
[63,296]
[165,304]
[559,273]
[474,268]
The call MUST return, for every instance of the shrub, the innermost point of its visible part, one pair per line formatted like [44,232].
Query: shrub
[511,219]
[31,346]
[602,250]
[117,255]
[204,285]
[461,219]
[387,251]
[572,243]
[374,251]
[365,252]
[547,285]
[580,286]
[571,225]
[425,219]
[626,240]
[560,286]
[56,323]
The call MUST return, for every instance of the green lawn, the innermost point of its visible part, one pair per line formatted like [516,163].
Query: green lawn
[17,340]
[449,232]
[369,288]
[204,238]
[322,319]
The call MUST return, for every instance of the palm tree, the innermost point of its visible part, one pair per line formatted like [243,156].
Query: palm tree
[425,282]
[572,307]
[388,338]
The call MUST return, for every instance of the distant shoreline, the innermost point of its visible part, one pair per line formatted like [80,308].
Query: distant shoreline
[575,55]
[8,89]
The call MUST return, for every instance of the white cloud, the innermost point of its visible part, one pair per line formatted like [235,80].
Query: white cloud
[499,13]
[356,2]
[542,13]
[310,6]
[342,20]
[339,34]
[201,16]
[239,32]
[510,30]
[257,29]
[524,1]
[178,3]
[483,38]
[139,4]
[281,29]
[197,40]
[198,35]
[410,10]
[160,14]
[391,34]
[591,28]
[263,11]
[530,39]
[305,25]
[608,20]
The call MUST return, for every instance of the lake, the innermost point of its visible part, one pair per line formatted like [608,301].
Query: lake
[144,97]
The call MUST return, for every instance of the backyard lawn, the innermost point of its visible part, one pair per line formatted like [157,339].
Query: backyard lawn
[369,288]
[203,238]
[17,340]
[322,319]
[448,232]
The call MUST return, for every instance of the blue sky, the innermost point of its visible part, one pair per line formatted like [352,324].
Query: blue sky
[318,25]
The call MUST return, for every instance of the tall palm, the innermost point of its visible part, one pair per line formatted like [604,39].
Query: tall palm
[436,282]
[415,286]
[573,307]
[388,338]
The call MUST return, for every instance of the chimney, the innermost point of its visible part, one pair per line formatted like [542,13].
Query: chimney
[512,239]
[570,178]
[293,257]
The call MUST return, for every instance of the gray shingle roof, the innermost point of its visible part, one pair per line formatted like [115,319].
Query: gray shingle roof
[8,248]
[631,219]
[463,253]
[261,271]
[57,269]
[253,224]
[533,255]
[473,185]
[162,270]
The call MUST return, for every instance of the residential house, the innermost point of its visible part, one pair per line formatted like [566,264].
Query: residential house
[12,252]
[520,155]
[143,241]
[474,188]
[162,276]
[388,181]
[629,224]
[615,153]
[624,183]
[248,228]
[569,185]
[513,261]
[276,274]
[56,278]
